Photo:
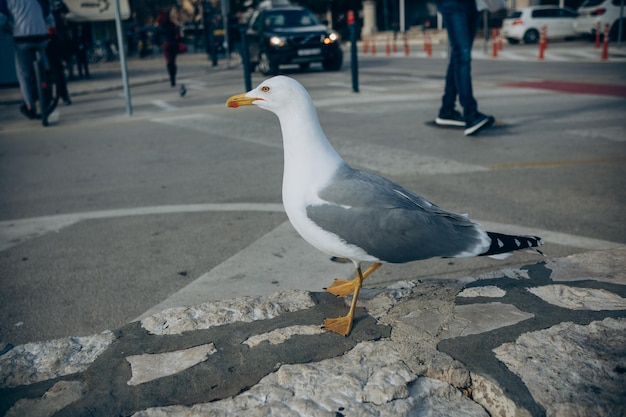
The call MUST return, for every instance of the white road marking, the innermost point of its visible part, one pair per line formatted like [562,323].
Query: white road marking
[164,105]
[14,232]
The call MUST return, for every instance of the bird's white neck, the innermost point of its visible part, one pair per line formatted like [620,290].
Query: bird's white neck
[309,157]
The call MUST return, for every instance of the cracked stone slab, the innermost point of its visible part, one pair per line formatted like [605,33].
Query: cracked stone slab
[40,361]
[279,336]
[151,366]
[489,291]
[577,298]
[56,398]
[605,266]
[573,370]
[481,318]
[243,309]
[369,380]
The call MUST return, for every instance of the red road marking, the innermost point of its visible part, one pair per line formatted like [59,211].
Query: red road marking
[573,87]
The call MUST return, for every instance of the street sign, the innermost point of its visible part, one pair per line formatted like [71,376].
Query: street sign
[95,10]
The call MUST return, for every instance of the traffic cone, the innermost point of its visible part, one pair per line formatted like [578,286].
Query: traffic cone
[366,45]
[373,47]
[605,45]
[494,35]
[388,47]
[406,44]
[543,42]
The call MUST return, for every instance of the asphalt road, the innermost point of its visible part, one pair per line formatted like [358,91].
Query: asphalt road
[105,216]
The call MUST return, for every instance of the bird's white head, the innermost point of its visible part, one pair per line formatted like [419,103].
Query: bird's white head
[278,94]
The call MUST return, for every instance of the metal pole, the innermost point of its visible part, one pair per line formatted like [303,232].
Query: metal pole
[402,17]
[485,31]
[621,25]
[225,23]
[122,52]
[247,76]
[354,64]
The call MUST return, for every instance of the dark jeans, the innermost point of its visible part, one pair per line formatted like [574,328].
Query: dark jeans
[461,20]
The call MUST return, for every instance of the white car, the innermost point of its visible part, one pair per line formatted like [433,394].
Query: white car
[592,12]
[525,24]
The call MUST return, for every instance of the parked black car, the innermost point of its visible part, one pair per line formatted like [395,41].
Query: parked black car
[291,35]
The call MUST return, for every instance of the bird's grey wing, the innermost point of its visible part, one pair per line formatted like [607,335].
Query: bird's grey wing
[390,222]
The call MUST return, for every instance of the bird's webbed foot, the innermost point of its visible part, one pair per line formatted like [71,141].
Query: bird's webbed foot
[342,287]
[340,325]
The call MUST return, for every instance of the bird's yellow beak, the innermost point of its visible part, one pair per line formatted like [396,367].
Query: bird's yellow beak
[240,100]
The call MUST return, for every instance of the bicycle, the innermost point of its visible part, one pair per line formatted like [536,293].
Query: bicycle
[45,87]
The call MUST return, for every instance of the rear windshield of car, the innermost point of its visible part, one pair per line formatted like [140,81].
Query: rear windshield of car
[592,3]
[515,15]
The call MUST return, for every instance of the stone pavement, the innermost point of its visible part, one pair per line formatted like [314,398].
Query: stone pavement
[548,339]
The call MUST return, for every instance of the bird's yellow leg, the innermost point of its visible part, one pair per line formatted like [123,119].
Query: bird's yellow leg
[343,287]
[342,325]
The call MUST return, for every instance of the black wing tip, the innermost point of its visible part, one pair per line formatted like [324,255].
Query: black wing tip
[501,243]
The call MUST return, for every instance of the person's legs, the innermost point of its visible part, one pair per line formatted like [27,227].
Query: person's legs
[24,56]
[169,52]
[460,18]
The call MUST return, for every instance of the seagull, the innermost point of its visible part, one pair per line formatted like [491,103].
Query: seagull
[358,215]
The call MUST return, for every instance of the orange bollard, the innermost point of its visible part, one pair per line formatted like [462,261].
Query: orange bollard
[597,35]
[388,47]
[373,47]
[406,44]
[366,45]
[428,44]
[605,45]
[543,41]
[494,35]
[394,46]
[499,41]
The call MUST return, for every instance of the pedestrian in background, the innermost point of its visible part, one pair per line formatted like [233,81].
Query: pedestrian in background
[57,49]
[461,20]
[167,36]
[31,21]
[82,44]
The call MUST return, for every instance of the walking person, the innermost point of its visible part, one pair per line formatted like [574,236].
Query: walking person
[461,20]
[82,44]
[56,50]
[167,35]
[31,21]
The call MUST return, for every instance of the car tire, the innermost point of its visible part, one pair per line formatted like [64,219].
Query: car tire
[265,65]
[513,41]
[531,36]
[334,63]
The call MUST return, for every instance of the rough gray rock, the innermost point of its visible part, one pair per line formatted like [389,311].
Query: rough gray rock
[573,370]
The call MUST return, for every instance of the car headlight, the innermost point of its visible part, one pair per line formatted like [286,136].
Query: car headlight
[278,41]
[330,38]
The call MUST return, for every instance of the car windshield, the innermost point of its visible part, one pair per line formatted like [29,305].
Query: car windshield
[515,15]
[289,18]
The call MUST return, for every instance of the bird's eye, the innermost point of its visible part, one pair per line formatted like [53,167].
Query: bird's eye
[265,89]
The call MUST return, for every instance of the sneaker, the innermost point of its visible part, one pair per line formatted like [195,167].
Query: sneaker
[477,122]
[450,118]
[30,114]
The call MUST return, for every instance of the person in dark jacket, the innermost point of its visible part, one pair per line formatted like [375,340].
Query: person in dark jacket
[56,49]
[167,35]
[82,44]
